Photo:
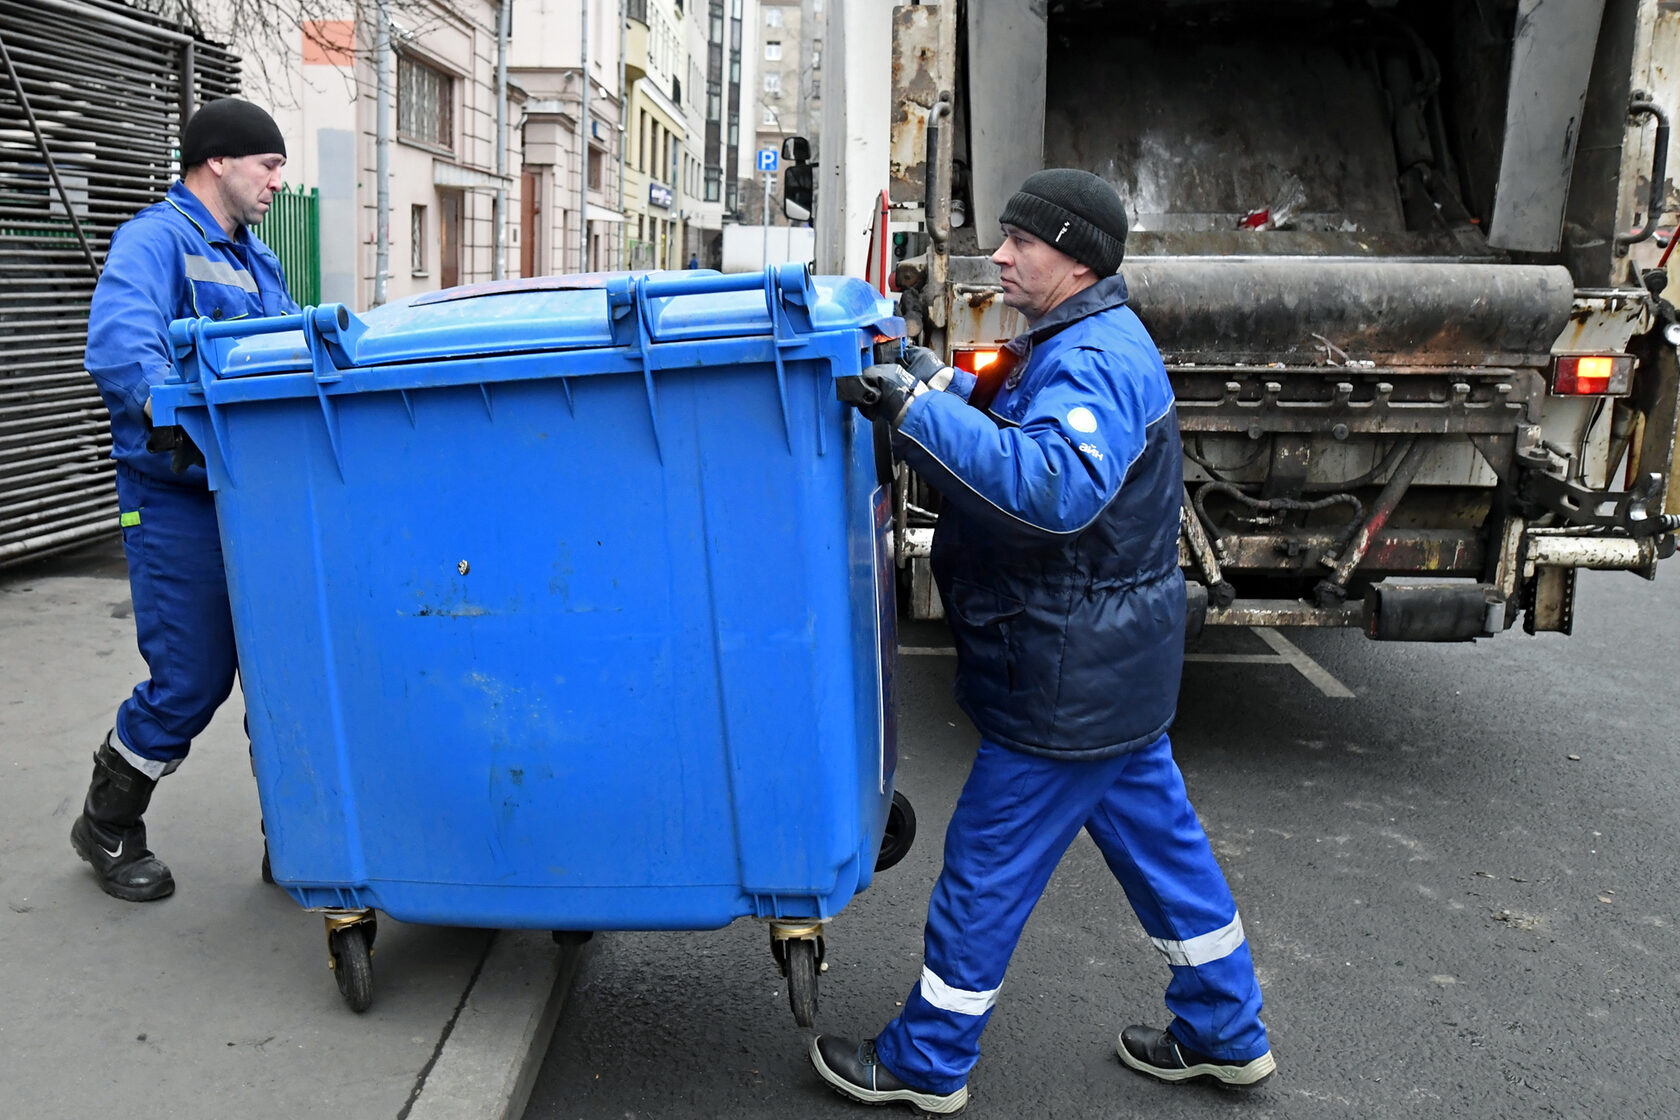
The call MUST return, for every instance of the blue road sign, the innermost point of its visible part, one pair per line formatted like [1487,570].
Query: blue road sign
[767,159]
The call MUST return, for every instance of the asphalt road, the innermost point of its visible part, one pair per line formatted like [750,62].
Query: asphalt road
[1459,886]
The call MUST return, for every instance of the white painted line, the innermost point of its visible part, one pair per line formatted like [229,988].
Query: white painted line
[1240,658]
[927,651]
[1306,666]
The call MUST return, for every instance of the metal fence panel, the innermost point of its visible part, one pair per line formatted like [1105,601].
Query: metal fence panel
[292,228]
[102,90]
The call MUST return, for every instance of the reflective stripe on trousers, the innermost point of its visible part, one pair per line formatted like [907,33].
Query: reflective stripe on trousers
[1016,817]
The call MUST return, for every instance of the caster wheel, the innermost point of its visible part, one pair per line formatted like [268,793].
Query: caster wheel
[352,963]
[267,869]
[900,833]
[572,938]
[801,965]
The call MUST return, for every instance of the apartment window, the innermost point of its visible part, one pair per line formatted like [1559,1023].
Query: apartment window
[734,66]
[816,55]
[714,183]
[716,22]
[735,132]
[731,198]
[714,101]
[773,84]
[417,240]
[770,117]
[772,17]
[772,49]
[425,103]
[735,9]
[595,162]
[816,89]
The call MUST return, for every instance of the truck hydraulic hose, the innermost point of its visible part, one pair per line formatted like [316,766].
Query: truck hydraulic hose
[1264,506]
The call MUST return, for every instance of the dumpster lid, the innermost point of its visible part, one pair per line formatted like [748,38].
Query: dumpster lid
[561,313]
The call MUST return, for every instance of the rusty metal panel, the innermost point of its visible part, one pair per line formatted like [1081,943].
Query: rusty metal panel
[915,88]
[1007,42]
[1551,59]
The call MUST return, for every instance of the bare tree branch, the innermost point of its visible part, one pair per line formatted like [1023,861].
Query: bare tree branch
[268,34]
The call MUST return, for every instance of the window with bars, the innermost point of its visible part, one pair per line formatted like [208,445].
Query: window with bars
[425,103]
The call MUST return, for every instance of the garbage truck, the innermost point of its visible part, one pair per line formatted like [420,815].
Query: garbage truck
[1400,257]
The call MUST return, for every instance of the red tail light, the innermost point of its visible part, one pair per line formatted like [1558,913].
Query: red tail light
[1592,375]
[974,358]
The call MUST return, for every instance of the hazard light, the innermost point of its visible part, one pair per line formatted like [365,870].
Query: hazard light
[973,358]
[1592,375]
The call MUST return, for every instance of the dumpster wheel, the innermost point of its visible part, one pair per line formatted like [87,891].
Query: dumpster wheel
[802,981]
[350,948]
[900,832]
[799,957]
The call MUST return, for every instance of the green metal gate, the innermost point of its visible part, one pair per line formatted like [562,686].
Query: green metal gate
[292,228]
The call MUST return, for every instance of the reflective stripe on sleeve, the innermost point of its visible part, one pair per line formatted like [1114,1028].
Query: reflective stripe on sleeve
[1204,949]
[942,379]
[955,1000]
[218,272]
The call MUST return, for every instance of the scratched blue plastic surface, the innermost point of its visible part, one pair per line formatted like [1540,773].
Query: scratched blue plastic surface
[555,611]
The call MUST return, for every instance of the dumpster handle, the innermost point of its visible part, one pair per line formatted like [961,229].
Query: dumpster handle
[785,286]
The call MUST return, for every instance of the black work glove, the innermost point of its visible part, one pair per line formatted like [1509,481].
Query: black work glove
[183,452]
[927,367]
[881,392]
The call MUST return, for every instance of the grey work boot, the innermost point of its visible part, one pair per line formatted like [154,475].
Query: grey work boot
[111,836]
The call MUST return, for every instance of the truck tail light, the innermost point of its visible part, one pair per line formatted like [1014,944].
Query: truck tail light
[1592,375]
[974,358]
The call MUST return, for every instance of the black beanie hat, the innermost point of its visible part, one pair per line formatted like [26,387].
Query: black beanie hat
[229,127]
[1077,212]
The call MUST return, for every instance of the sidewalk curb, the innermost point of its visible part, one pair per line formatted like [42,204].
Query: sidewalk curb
[493,1049]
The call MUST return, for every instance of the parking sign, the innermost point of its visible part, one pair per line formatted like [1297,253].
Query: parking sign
[767,159]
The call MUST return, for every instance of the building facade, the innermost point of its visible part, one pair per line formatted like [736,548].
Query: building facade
[787,98]
[572,215]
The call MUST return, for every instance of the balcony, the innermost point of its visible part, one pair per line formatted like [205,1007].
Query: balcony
[635,41]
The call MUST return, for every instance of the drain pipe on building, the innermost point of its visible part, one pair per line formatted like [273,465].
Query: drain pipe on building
[382,153]
[583,149]
[623,127]
[504,26]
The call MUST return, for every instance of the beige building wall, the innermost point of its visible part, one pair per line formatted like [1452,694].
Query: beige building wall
[545,60]
[442,159]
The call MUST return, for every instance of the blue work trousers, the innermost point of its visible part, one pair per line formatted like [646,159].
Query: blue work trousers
[181,619]
[1016,817]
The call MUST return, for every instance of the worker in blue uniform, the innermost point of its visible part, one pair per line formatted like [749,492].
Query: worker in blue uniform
[1056,557]
[190,255]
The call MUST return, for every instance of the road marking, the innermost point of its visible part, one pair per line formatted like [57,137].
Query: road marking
[1293,655]
[1287,654]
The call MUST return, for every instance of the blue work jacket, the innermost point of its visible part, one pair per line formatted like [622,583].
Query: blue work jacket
[1057,548]
[170,261]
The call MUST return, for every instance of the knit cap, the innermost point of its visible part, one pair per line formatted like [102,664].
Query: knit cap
[1077,212]
[229,127]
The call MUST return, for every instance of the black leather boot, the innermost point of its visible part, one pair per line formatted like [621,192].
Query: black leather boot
[111,836]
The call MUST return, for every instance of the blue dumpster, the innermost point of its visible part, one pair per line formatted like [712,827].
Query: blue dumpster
[560,603]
